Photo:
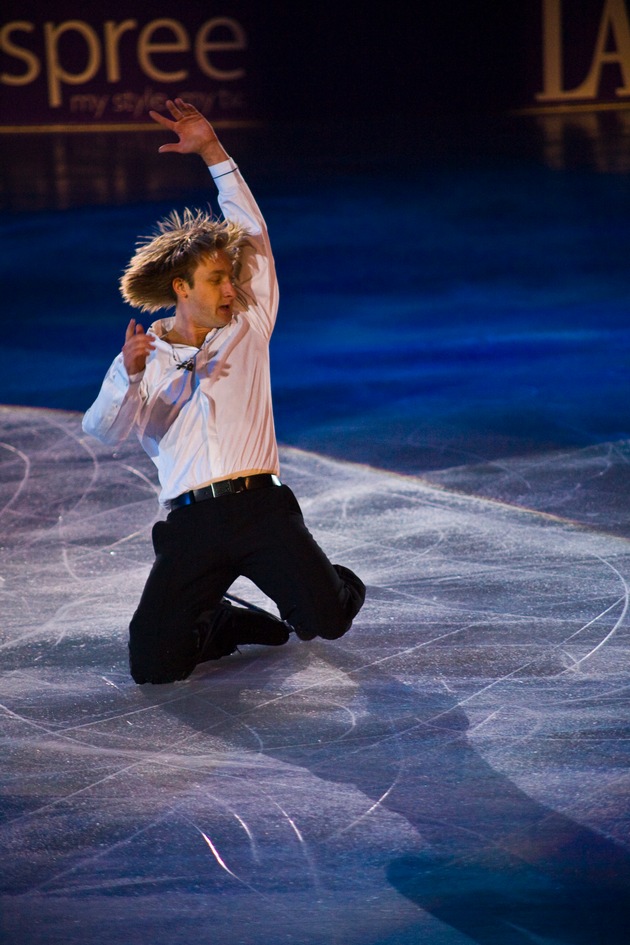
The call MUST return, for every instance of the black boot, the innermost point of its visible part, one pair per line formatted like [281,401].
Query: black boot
[222,631]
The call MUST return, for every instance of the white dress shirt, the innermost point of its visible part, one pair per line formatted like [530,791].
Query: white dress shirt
[213,420]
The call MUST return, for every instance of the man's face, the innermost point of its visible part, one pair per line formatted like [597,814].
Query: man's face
[210,299]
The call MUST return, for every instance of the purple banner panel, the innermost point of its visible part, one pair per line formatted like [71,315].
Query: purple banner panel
[70,64]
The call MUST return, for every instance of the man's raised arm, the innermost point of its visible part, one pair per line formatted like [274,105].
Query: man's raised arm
[257,276]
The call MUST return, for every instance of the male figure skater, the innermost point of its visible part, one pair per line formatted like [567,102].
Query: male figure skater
[195,389]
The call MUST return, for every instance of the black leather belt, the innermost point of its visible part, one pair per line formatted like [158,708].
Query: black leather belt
[224,487]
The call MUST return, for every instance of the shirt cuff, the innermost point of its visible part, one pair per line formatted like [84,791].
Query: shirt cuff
[220,170]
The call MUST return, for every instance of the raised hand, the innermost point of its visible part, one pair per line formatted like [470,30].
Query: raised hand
[196,134]
[137,347]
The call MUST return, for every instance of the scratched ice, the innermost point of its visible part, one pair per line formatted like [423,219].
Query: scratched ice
[454,770]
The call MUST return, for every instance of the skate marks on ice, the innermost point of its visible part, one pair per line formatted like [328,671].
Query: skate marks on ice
[454,769]
[589,485]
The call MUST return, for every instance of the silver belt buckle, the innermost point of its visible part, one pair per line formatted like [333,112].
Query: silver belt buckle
[224,487]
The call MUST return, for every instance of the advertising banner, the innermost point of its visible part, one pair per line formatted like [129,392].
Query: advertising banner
[578,57]
[70,65]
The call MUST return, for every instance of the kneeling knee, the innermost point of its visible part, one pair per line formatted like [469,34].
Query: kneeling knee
[335,633]
[158,668]
[157,675]
[329,627]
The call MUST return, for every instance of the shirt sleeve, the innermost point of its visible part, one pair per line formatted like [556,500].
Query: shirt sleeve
[257,273]
[112,416]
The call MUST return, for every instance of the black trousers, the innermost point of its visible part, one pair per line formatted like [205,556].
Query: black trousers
[200,551]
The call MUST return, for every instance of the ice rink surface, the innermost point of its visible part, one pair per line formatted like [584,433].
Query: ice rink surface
[453,770]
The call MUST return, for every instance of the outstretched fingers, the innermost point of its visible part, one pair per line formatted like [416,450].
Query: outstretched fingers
[180,109]
[195,133]
[162,120]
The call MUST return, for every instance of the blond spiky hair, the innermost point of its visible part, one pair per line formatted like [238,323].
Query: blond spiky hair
[172,251]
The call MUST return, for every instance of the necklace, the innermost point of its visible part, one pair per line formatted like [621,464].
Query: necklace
[189,363]
[171,338]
